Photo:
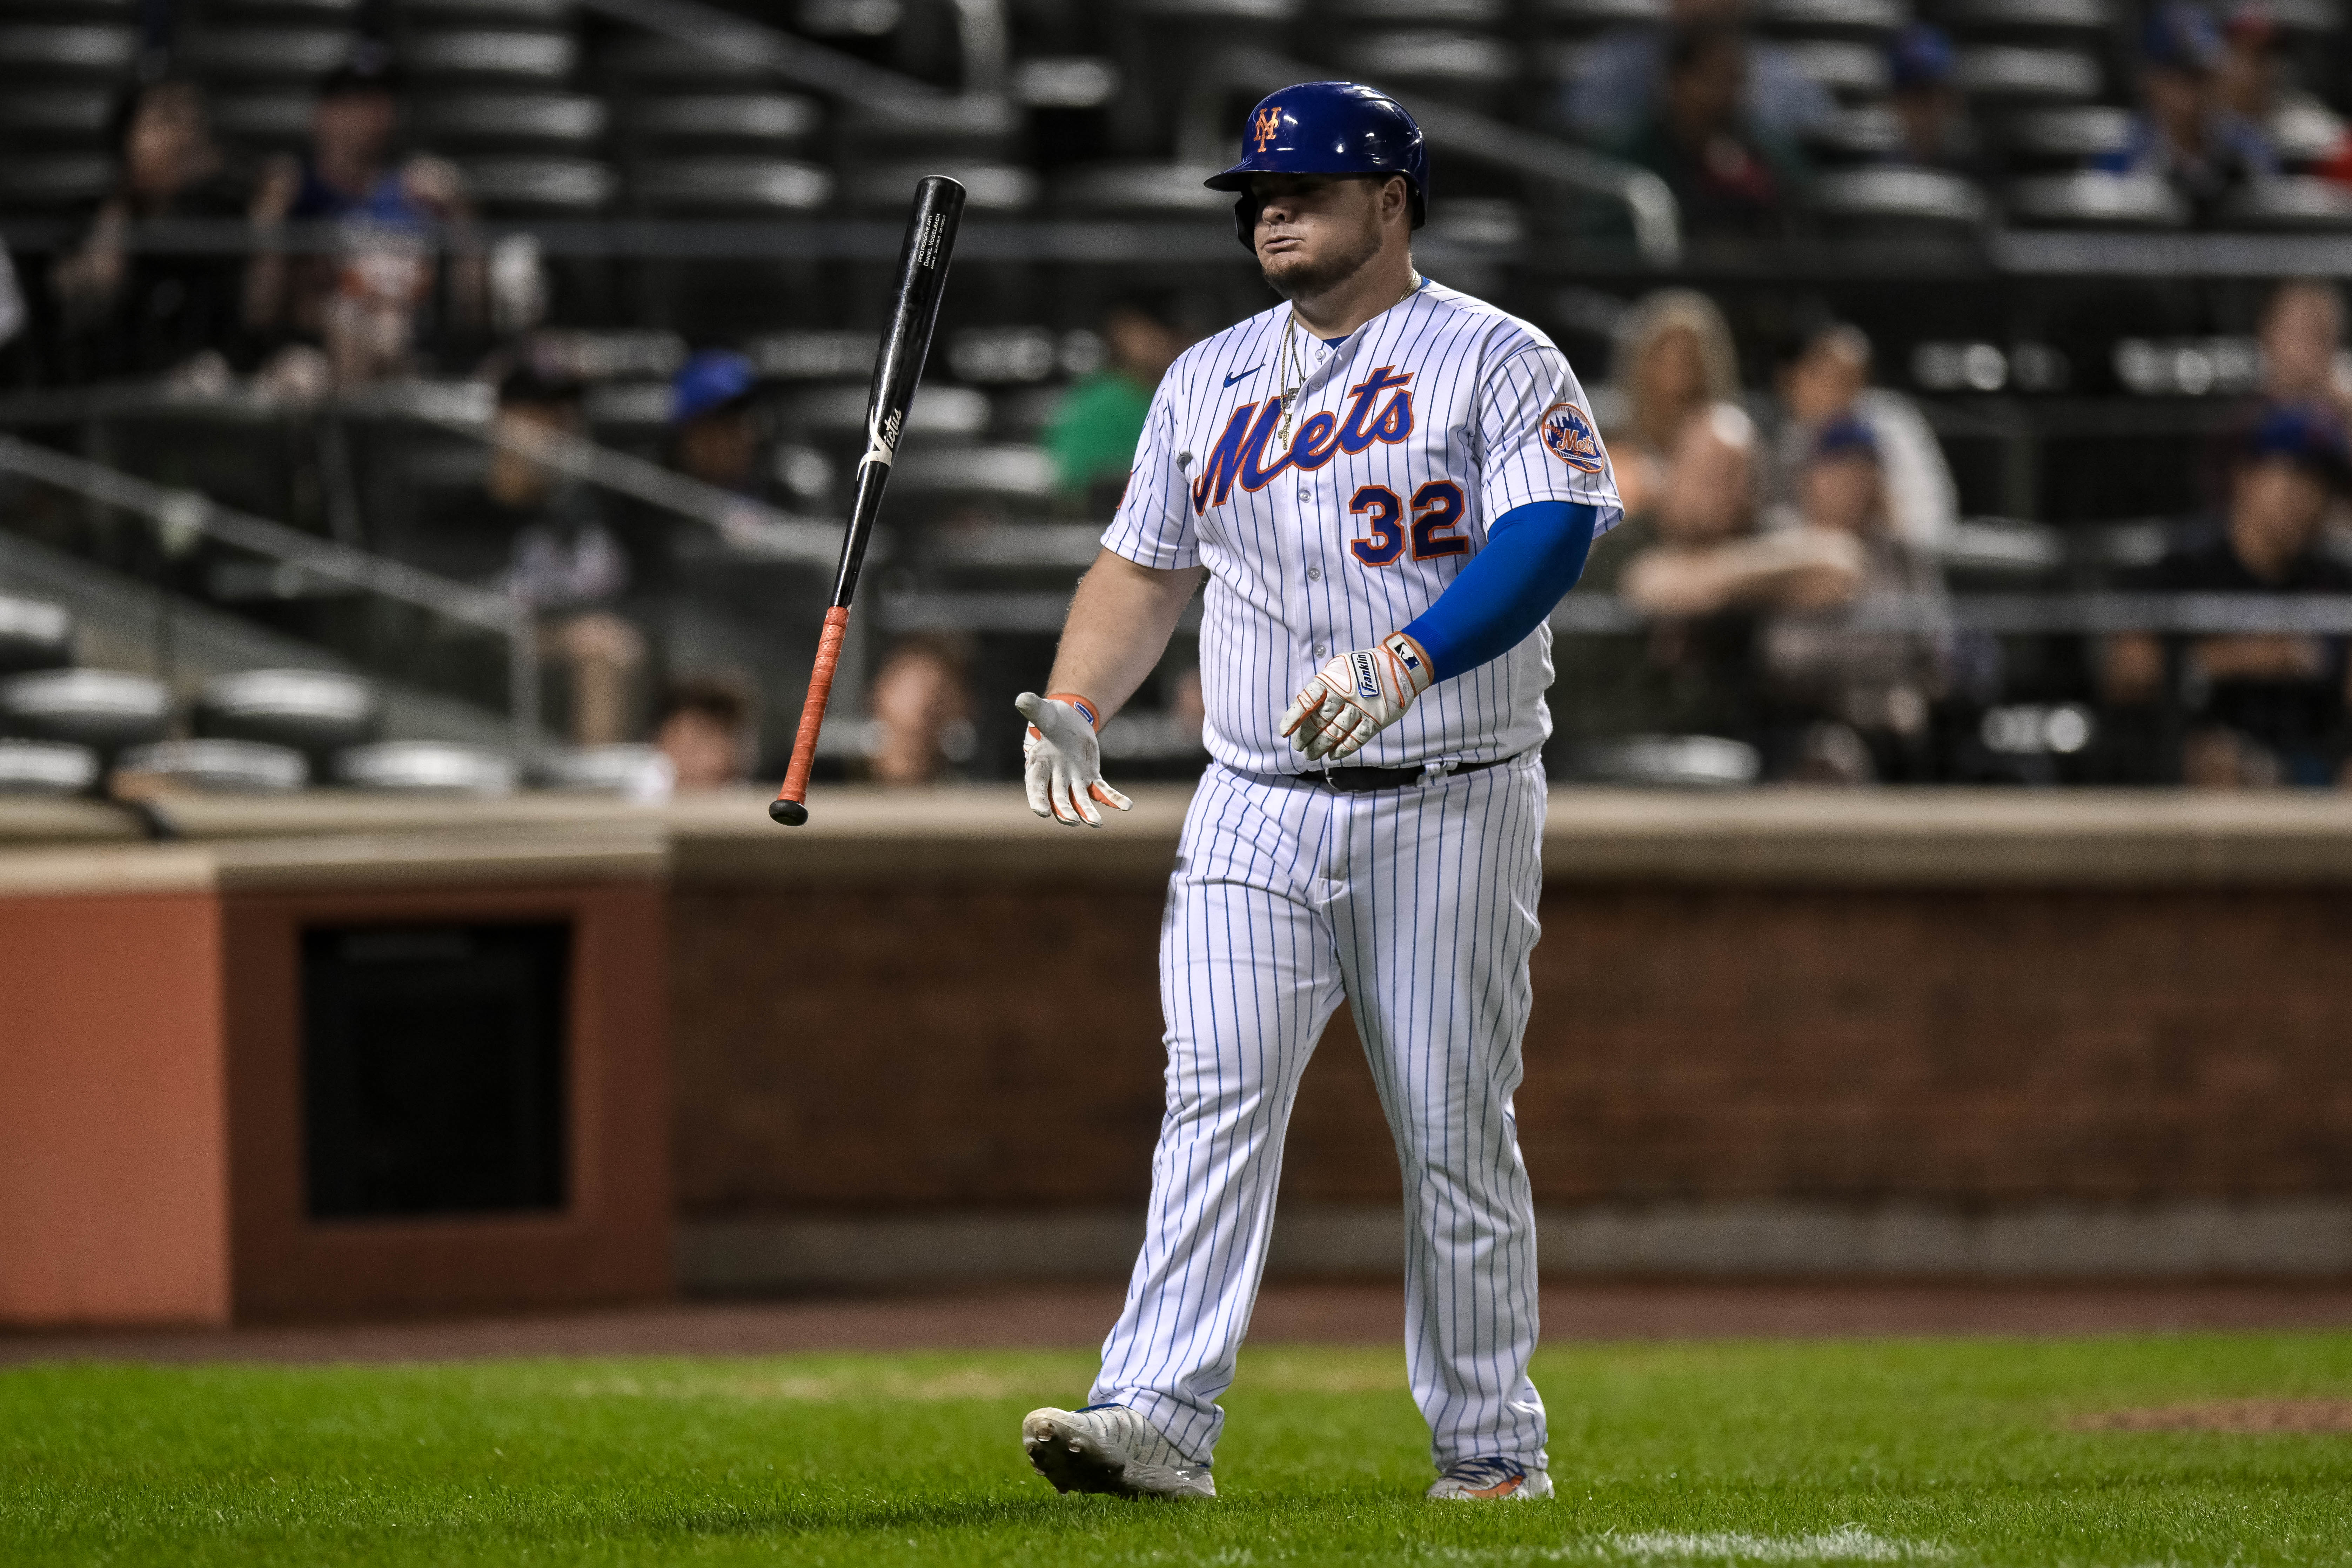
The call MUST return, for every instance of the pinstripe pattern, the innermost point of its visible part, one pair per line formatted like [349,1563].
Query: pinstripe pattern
[1418,905]
[1286,592]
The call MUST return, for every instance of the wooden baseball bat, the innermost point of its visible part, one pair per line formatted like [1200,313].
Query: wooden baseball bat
[914,311]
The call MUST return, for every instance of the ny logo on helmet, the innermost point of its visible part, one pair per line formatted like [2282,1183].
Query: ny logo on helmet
[1267,126]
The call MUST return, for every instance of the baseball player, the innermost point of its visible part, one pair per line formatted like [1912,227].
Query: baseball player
[1388,486]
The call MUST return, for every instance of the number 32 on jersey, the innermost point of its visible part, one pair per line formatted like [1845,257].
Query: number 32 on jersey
[1436,513]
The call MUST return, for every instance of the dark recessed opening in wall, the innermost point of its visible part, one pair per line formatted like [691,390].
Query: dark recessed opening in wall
[433,1070]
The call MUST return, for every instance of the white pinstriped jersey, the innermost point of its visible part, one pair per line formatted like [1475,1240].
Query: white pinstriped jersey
[1411,433]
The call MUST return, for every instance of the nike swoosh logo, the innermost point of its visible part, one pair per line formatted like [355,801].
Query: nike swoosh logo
[1252,370]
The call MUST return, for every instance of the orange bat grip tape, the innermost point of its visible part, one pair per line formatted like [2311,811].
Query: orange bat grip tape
[820,691]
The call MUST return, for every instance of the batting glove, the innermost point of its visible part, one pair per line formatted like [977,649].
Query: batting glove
[1355,697]
[1062,765]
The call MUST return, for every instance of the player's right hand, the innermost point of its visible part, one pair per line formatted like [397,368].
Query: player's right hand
[1063,764]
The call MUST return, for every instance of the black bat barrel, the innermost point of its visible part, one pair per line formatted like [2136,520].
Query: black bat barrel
[914,311]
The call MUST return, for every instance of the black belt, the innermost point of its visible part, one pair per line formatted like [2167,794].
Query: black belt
[1363,780]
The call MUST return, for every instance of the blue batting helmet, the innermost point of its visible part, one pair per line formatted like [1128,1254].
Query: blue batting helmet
[1327,128]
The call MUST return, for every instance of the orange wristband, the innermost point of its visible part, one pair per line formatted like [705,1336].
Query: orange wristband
[1078,702]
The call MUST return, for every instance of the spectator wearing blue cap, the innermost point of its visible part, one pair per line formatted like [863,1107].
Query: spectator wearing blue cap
[1931,117]
[714,424]
[1854,704]
[2255,710]
[2187,134]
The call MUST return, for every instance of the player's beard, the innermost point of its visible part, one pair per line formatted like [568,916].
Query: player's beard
[1303,276]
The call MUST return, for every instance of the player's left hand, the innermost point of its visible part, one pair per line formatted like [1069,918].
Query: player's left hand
[1355,697]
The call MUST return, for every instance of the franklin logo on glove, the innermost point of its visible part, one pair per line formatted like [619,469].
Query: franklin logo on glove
[1355,697]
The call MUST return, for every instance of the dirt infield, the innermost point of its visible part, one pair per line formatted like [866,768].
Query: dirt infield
[1329,1313]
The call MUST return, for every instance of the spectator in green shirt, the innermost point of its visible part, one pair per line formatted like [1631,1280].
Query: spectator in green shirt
[1093,434]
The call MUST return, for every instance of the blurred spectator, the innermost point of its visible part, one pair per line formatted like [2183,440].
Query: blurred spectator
[2187,134]
[1829,379]
[1673,357]
[1854,701]
[1614,84]
[2302,347]
[1733,176]
[2261,709]
[923,704]
[1093,433]
[703,726]
[363,304]
[1693,561]
[1929,112]
[2302,367]
[714,428]
[558,556]
[144,313]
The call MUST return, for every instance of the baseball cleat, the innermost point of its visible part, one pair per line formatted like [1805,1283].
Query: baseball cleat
[1109,1448]
[1491,1480]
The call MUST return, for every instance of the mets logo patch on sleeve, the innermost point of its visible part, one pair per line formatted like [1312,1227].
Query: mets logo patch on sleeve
[1568,433]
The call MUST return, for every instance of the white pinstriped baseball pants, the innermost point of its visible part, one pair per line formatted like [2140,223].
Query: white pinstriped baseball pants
[1418,905]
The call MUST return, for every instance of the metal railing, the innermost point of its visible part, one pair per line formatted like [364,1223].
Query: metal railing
[183,517]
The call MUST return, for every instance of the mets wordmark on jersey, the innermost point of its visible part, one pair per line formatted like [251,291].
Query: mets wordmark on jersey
[1410,436]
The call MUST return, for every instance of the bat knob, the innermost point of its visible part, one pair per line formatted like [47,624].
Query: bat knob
[790,813]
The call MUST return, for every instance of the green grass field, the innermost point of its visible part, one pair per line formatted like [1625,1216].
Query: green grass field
[1929,1451]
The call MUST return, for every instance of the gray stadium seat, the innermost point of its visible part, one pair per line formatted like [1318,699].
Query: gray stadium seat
[970,126]
[533,57]
[50,51]
[1703,762]
[76,117]
[510,120]
[681,64]
[1478,221]
[281,54]
[318,712]
[539,184]
[2007,71]
[47,767]
[1868,18]
[2026,16]
[1864,130]
[640,772]
[731,184]
[765,119]
[1911,197]
[34,635]
[1858,70]
[2067,135]
[446,12]
[2291,202]
[428,767]
[277,122]
[104,710]
[952,413]
[224,765]
[55,180]
[1023,474]
[1138,188]
[2106,201]
[1070,81]
[1269,11]
[1469,66]
[987,187]
[1594,16]
[1481,14]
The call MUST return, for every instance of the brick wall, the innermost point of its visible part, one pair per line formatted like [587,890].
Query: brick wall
[873,1050]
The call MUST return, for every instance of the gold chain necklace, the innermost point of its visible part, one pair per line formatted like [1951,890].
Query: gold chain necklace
[1293,358]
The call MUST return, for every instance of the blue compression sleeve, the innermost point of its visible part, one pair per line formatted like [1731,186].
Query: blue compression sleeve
[1534,554]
